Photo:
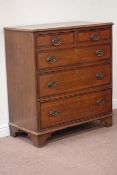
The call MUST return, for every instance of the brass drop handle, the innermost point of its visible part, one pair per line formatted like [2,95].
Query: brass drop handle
[54,113]
[51,59]
[100,102]
[52,84]
[56,42]
[94,37]
[99,76]
[100,53]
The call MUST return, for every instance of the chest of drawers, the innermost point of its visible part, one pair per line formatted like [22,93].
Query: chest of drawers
[59,75]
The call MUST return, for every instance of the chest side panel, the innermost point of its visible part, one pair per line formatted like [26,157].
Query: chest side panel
[21,79]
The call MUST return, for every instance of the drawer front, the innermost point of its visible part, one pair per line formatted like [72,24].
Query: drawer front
[81,108]
[75,79]
[94,36]
[55,40]
[72,56]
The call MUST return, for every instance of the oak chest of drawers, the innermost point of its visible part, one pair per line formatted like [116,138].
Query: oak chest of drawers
[59,76]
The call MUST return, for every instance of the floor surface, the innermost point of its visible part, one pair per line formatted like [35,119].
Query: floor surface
[89,149]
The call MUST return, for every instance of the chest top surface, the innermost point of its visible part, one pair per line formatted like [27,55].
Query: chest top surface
[57,26]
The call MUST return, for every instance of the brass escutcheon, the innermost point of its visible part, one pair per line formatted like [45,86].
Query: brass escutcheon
[78,97]
[77,71]
[76,50]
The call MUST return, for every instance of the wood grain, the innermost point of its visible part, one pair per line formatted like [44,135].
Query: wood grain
[101,34]
[21,79]
[45,40]
[80,107]
[75,79]
[72,56]
[60,26]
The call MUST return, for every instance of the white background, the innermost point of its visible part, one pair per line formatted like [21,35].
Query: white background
[22,12]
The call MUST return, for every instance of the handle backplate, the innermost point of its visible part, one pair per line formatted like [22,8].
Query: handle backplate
[51,59]
[52,84]
[99,75]
[100,53]
[94,37]
[100,102]
[54,113]
[56,42]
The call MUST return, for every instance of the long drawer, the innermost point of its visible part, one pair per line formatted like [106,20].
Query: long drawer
[80,107]
[72,56]
[74,79]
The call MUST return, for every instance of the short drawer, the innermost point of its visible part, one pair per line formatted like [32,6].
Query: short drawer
[55,40]
[81,108]
[74,79]
[72,56]
[94,36]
